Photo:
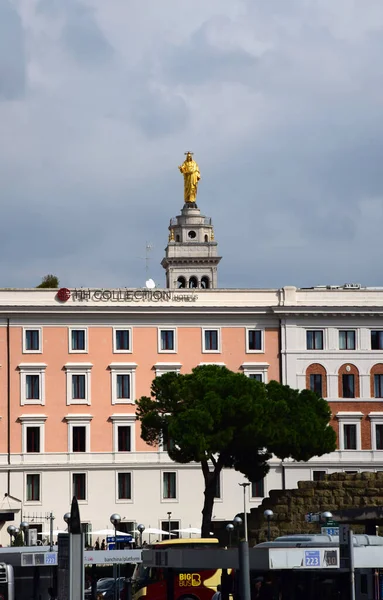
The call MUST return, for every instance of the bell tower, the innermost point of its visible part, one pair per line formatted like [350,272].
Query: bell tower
[191,257]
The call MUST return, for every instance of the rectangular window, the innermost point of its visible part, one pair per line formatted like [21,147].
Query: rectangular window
[122,340]
[314,340]
[170,526]
[349,437]
[123,386]
[32,387]
[258,489]
[256,376]
[316,384]
[78,387]
[169,486]
[87,531]
[32,340]
[319,475]
[347,340]
[124,486]
[376,340]
[167,340]
[33,488]
[124,438]
[379,436]
[211,340]
[33,439]
[254,339]
[378,386]
[348,386]
[79,485]
[79,438]
[78,340]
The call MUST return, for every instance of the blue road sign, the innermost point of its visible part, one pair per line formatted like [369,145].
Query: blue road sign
[312,558]
[120,538]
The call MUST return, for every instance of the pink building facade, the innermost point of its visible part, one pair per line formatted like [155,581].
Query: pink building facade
[70,373]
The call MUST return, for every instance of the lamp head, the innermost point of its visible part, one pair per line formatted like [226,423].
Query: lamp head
[141,528]
[237,521]
[115,519]
[229,527]
[24,525]
[66,518]
[326,515]
[11,529]
[268,514]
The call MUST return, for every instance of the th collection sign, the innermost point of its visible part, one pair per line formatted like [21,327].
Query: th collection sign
[124,295]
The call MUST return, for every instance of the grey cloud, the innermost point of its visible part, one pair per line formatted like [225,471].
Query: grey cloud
[81,34]
[12,53]
[199,60]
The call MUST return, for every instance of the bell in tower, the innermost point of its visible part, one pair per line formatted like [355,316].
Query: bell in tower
[191,258]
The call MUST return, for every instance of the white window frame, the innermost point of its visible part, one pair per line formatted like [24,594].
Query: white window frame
[174,330]
[33,502]
[324,338]
[70,349]
[123,369]
[169,500]
[220,477]
[218,330]
[78,421]
[167,367]
[350,418]
[122,420]
[32,421]
[32,369]
[78,369]
[262,350]
[357,341]
[86,485]
[318,469]
[115,351]
[258,498]
[31,328]
[252,368]
[124,500]
[376,418]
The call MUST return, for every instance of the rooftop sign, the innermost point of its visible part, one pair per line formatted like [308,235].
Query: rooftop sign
[125,295]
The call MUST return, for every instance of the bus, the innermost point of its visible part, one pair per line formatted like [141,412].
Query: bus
[7,582]
[152,583]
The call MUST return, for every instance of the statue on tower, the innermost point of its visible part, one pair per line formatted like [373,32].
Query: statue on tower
[190,171]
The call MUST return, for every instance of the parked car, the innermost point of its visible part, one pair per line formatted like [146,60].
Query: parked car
[105,589]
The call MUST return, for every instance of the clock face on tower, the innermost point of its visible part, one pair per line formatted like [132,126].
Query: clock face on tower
[192,235]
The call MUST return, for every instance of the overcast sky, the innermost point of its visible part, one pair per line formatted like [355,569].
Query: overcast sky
[280,100]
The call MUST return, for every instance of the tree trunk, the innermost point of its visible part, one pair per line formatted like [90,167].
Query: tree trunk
[210,478]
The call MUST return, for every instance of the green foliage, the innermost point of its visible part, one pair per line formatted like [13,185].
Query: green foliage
[217,417]
[49,281]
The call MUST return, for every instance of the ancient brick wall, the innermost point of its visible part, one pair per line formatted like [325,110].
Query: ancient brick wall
[336,492]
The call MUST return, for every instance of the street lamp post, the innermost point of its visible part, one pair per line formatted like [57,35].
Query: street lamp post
[169,515]
[229,529]
[268,514]
[66,518]
[24,526]
[115,519]
[244,486]
[141,529]
[11,530]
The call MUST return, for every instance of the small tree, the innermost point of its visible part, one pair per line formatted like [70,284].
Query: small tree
[18,539]
[49,281]
[223,419]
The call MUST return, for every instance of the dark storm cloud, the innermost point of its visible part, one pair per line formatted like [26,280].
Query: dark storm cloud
[12,53]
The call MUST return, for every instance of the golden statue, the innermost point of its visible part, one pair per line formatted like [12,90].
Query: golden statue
[190,171]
